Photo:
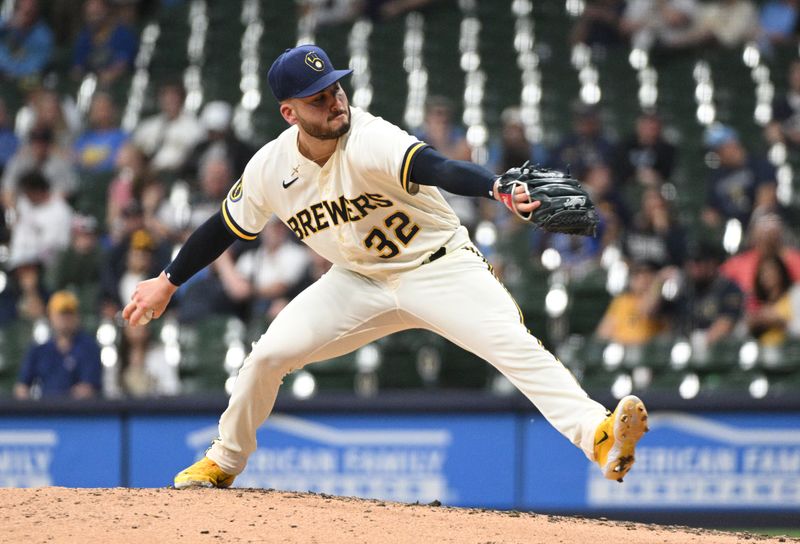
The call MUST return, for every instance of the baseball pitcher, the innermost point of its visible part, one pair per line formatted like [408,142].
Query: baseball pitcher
[364,194]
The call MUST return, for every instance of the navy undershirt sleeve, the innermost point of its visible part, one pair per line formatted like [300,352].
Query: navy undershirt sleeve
[458,177]
[201,249]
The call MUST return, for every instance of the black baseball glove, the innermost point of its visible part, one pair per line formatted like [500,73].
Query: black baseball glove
[565,205]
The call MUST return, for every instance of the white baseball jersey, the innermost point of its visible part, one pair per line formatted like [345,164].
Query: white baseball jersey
[360,210]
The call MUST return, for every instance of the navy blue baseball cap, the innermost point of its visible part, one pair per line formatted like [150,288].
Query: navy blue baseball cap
[302,71]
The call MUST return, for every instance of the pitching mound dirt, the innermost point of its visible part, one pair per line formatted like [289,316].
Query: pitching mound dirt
[110,516]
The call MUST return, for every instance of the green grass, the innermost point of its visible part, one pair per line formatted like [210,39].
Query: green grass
[793,532]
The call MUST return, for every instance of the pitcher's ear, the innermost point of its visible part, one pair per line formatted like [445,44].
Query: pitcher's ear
[287,112]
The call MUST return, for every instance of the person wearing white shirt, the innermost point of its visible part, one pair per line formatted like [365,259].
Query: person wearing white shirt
[267,273]
[43,222]
[169,137]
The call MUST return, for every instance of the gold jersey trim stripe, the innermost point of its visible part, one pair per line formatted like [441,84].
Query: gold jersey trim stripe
[408,160]
[491,270]
[234,228]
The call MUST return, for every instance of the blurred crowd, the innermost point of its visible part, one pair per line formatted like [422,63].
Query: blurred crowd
[65,260]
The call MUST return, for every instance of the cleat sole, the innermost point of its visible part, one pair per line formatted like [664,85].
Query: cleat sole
[629,427]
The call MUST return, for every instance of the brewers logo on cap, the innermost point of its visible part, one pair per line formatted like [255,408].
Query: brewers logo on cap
[314,62]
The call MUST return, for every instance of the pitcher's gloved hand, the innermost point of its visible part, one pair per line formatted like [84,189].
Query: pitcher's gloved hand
[564,206]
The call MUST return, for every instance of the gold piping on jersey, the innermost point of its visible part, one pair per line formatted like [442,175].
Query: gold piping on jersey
[408,159]
[234,228]
[491,269]
[521,317]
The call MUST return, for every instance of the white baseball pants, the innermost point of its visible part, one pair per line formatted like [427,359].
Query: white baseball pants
[456,296]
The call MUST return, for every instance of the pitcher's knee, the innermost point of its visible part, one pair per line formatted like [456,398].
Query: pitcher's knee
[271,364]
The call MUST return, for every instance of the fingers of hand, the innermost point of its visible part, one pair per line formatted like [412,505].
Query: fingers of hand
[129,309]
[136,316]
[135,311]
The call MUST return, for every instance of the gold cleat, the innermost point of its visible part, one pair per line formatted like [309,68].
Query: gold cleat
[616,437]
[204,473]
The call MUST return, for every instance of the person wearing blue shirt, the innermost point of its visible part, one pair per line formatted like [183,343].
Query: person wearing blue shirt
[586,146]
[8,140]
[741,184]
[778,22]
[103,46]
[96,149]
[26,42]
[66,365]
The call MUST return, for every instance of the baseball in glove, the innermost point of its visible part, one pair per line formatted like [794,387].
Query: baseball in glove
[564,205]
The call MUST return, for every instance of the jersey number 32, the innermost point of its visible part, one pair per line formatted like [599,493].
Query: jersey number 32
[379,240]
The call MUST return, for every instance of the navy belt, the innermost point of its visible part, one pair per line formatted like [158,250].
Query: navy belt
[435,255]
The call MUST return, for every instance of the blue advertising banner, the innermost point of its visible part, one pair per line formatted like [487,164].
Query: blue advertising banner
[686,462]
[459,460]
[62,451]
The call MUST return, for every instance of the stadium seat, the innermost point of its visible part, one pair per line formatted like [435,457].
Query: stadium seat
[588,299]
[15,339]
[203,350]
[723,356]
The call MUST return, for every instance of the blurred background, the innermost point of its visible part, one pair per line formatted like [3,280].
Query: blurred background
[123,124]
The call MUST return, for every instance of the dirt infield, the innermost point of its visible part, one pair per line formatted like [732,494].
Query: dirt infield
[110,516]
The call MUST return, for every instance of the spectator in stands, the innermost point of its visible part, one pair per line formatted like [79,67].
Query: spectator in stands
[133,222]
[169,137]
[331,12]
[598,180]
[785,123]
[514,148]
[42,228]
[267,274]
[138,263]
[632,318]
[441,131]
[38,155]
[219,142]
[314,271]
[655,234]
[77,267]
[104,47]
[28,291]
[8,140]
[177,221]
[586,145]
[97,148]
[778,24]
[599,23]
[646,157]
[66,365]
[134,187]
[707,305]
[132,174]
[793,327]
[26,44]
[729,23]
[741,185]
[766,239]
[383,10]
[769,322]
[145,370]
[45,108]
[659,23]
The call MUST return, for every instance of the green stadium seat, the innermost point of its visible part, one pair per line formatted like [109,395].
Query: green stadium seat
[15,339]
[588,300]
[721,357]
[203,350]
